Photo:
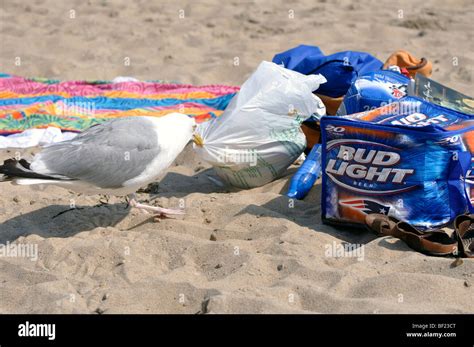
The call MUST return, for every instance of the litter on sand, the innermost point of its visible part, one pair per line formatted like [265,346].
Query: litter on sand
[259,136]
[407,160]
[394,147]
[394,143]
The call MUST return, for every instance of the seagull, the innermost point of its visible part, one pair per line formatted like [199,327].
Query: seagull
[116,157]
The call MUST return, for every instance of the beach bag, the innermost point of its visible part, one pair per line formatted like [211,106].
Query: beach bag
[340,69]
[410,159]
[259,136]
[413,65]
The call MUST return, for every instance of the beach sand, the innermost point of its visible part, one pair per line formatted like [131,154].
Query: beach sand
[235,251]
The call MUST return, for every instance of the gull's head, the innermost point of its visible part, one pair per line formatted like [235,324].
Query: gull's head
[176,126]
[182,121]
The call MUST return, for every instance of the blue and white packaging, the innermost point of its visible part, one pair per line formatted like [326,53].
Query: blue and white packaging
[373,90]
[410,159]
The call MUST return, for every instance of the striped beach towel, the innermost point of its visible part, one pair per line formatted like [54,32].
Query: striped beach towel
[28,103]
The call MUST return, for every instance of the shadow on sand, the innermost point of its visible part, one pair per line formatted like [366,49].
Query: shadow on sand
[306,213]
[43,222]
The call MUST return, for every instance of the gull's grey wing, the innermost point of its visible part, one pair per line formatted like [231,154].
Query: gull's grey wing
[106,155]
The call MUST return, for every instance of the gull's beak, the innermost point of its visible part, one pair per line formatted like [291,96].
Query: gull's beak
[197,139]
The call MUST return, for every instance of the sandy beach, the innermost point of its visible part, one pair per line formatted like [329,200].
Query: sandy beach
[235,251]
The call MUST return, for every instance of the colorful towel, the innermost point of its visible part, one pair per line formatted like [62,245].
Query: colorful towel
[77,105]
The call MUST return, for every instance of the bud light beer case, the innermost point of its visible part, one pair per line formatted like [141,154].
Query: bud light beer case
[410,159]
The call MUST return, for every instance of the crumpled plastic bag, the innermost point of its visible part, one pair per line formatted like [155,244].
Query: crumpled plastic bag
[259,136]
[35,137]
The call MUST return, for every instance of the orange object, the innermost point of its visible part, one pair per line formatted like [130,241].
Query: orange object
[312,135]
[404,59]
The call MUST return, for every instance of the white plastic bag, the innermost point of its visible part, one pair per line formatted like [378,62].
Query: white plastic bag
[258,136]
[35,137]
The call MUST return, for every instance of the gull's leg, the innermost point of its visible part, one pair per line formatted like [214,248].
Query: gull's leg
[160,211]
[129,200]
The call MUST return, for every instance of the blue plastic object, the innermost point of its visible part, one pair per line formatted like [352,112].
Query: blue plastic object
[373,90]
[303,180]
[340,69]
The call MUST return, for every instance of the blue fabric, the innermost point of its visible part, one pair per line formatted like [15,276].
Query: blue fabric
[102,102]
[340,69]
